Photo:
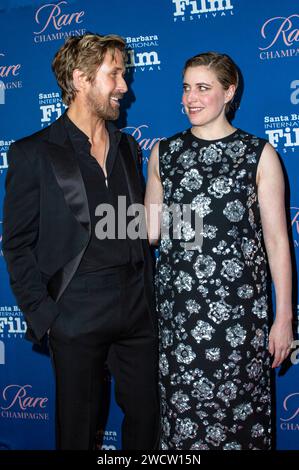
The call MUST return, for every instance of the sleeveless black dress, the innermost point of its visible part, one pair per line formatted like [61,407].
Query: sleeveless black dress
[212,300]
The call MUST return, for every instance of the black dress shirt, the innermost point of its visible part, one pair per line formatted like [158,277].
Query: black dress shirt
[102,253]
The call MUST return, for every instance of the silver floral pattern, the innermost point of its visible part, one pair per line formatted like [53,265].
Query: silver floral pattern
[220,185]
[212,302]
[192,180]
[234,210]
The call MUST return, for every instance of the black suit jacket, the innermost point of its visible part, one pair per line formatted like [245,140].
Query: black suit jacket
[46,225]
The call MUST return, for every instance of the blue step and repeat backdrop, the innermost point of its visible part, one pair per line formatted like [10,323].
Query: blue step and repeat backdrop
[262,36]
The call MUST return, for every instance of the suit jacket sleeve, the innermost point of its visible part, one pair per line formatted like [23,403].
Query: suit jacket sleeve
[20,235]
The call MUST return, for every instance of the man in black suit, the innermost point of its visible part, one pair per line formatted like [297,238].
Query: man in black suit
[92,295]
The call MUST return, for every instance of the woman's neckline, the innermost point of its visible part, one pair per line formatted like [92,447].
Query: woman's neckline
[213,140]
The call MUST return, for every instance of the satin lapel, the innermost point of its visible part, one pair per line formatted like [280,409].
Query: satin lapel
[69,178]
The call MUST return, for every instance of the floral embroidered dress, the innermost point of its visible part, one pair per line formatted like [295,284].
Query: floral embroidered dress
[212,301]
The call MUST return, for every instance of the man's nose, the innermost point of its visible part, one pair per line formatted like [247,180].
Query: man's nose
[122,85]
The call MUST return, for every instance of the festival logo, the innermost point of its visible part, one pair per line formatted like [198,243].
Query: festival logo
[290,420]
[285,135]
[12,323]
[9,77]
[4,146]
[280,37]
[21,403]
[190,10]
[51,107]
[283,130]
[142,53]
[54,21]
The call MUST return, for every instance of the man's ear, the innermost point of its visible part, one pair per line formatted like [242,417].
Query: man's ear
[79,79]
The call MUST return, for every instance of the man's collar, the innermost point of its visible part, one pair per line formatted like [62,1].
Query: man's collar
[58,134]
[79,134]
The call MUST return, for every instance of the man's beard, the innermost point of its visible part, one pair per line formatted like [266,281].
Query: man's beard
[101,107]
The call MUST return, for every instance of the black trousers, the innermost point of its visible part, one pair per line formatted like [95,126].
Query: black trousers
[104,315]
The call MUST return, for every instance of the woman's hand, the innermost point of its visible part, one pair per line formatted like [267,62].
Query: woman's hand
[280,340]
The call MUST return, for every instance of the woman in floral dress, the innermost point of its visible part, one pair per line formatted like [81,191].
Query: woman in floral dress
[212,296]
